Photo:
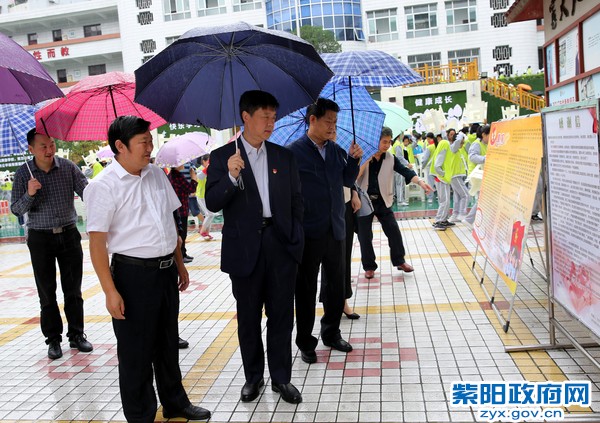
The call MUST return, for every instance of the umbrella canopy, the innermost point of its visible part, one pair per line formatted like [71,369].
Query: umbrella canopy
[524,87]
[200,77]
[15,121]
[183,149]
[105,153]
[23,79]
[396,117]
[371,68]
[91,106]
[368,120]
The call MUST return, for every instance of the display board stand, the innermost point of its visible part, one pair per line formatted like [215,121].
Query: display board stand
[572,116]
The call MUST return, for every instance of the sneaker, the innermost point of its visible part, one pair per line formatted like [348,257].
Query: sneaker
[206,236]
[439,227]
[187,259]
[447,223]
[454,218]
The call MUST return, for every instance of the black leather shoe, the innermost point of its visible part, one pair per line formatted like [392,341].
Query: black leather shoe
[187,260]
[250,391]
[352,316]
[288,392]
[339,345]
[188,257]
[309,357]
[183,344]
[191,412]
[54,350]
[80,342]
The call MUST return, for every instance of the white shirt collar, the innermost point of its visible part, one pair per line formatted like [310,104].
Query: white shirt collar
[250,150]
[121,172]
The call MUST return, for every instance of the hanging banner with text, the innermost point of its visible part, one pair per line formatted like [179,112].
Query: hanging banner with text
[510,178]
[571,144]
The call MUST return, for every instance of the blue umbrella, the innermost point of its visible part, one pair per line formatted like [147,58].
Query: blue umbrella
[15,121]
[367,115]
[200,77]
[369,68]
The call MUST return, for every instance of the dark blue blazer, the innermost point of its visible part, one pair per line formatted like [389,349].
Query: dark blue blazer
[242,209]
[322,182]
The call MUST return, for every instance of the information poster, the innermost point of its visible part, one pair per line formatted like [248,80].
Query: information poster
[562,95]
[568,55]
[574,210]
[591,42]
[550,65]
[510,178]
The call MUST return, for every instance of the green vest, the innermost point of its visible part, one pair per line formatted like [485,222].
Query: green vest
[460,162]
[483,148]
[448,161]
[411,153]
[396,144]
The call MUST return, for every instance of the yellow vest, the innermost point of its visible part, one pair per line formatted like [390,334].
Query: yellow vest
[448,161]
[396,144]
[483,148]
[411,154]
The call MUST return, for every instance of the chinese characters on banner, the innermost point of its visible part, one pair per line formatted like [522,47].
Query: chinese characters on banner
[51,53]
[510,178]
[420,103]
[574,208]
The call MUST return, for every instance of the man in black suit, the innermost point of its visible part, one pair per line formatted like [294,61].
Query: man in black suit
[324,169]
[258,188]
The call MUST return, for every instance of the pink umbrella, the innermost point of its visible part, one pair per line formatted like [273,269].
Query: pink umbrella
[91,106]
[183,149]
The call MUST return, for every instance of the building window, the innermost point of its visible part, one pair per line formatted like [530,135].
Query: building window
[241,5]
[32,38]
[176,10]
[461,16]
[96,70]
[61,75]
[463,56]
[429,59]
[383,25]
[211,7]
[57,35]
[421,21]
[171,40]
[92,30]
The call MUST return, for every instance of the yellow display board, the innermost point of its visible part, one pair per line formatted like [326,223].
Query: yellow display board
[510,179]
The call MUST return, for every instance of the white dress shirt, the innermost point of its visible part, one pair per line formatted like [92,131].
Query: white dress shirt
[260,168]
[135,211]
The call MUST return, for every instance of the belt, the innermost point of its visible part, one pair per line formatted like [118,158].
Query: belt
[156,262]
[374,196]
[267,221]
[58,230]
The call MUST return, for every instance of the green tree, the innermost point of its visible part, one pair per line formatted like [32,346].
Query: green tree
[78,150]
[323,40]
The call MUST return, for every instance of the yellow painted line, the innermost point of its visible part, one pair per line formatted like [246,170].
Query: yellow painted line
[6,272]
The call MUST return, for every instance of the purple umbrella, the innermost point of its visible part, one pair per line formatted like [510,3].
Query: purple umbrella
[184,149]
[22,78]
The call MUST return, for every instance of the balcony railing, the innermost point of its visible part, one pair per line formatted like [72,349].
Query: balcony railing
[452,72]
[513,94]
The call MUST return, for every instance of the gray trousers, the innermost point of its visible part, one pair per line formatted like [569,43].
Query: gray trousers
[461,196]
[443,190]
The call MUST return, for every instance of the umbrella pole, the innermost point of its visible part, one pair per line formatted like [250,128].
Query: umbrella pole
[237,149]
[113,100]
[352,111]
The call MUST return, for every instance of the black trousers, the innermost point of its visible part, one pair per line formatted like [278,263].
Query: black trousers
[45,250]
[183,231]
[385,215]
[328,253]
[351,227]
[147,339]
[271,284]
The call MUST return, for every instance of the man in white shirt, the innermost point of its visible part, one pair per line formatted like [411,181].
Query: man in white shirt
[130,209]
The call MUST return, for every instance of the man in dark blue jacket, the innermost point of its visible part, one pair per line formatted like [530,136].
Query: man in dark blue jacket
[324,169]
[257,187]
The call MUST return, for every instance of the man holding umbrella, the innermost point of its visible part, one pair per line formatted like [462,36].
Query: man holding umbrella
[43,188]
[256,184]
[325,168]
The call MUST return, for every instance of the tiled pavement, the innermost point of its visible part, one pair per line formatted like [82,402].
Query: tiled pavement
[417,334]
